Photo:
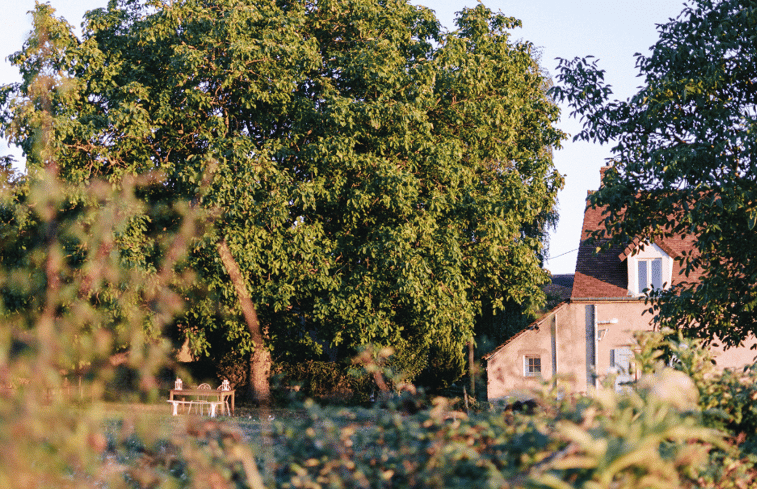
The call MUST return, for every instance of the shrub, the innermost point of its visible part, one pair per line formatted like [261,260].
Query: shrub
[327,381]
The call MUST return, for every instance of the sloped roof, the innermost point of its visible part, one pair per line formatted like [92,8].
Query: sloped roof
[601,274]
[638,244]
[604,274]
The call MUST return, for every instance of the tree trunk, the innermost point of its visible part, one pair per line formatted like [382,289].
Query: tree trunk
[260,371]
[260,360]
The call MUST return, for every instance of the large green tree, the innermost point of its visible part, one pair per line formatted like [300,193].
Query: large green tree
[374,178]
[686,159]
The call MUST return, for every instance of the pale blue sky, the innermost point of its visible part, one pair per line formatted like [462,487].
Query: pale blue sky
[611,30]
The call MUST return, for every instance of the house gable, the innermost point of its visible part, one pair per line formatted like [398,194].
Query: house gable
[517,367]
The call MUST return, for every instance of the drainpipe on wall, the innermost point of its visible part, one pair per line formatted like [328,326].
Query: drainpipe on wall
[591,345]
[596,346]
[553,330]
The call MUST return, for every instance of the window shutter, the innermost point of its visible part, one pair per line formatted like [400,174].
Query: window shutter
[620,362]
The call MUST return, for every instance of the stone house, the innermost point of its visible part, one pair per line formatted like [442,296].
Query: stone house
[590,335]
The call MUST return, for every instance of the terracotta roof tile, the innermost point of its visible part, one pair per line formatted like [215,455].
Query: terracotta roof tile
[598,274]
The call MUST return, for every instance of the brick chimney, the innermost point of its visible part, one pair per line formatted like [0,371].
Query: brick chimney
[602,172]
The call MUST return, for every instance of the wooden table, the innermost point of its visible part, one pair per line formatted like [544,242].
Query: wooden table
[205,394]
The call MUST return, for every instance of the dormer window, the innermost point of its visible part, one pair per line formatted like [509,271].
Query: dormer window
[650,273]
[649,267]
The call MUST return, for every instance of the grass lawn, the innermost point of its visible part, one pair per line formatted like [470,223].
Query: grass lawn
[248,420]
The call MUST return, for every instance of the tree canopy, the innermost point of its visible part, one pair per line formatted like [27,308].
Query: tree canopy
[685,158]
[376,178]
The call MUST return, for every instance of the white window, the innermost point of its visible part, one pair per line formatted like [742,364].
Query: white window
[532,366]
[650,274]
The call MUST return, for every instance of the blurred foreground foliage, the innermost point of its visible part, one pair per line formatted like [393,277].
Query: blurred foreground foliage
[683,426]
[678,428]
[72,300]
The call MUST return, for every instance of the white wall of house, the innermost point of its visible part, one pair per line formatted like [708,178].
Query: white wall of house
[734,358]
[617,322]
[582,343]
[505,370]
[561,350]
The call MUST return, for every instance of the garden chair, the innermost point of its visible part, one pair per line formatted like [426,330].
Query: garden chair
[202,402]
[225,403]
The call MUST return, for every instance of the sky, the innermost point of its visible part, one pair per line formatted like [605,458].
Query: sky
[611,30]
